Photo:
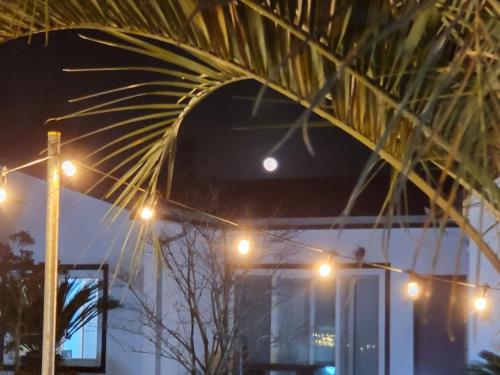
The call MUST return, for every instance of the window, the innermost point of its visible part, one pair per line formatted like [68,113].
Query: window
[85,349]
[291,322]
[440,324]
[361,322]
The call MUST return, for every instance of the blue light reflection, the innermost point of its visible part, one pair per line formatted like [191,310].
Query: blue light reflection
[328,370]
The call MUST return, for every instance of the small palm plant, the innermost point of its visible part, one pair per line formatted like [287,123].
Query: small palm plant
[21,320]
[489,366]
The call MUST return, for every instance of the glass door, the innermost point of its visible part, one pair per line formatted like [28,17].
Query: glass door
[360,322]
[298,323]
[303,320]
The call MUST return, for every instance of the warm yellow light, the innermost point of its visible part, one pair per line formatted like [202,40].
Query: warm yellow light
[413,290]
[324,339]
[3,194]
[325,269]
[244,247]
[147,213]
[69,168]
[480,303]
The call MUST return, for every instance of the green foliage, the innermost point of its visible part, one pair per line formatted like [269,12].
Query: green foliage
[21,290]
[490,364]
[414,81]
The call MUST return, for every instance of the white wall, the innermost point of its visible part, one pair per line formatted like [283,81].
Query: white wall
[401,248]
[484,328]
[84,239]
[168,366]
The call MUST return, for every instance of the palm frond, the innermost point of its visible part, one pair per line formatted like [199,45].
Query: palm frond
[417,82]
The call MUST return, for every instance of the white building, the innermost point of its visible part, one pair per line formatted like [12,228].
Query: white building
[376,330]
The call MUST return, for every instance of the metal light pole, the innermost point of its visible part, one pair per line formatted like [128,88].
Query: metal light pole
[51,249]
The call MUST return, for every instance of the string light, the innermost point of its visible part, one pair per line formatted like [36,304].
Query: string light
[3,194]
[480,303]
[147,213]
[3,181]
[244,246]
[69,168]
[413,290]
[325,269]
[296,243]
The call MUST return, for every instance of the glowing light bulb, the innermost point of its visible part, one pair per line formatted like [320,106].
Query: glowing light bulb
[480,303]
[270,164]
[413,290]
[69,168]
[325,269]
[244,247]
[147,213]
[3,195]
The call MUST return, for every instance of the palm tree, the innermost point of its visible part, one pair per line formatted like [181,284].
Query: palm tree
[490,364]
[414,81]
[77,305]
[21,319]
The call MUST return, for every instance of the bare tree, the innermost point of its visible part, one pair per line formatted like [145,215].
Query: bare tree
[202,269]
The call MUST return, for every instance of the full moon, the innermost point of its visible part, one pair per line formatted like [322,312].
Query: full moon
[270,164]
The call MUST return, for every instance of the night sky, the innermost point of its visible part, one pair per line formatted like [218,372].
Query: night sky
[211,148]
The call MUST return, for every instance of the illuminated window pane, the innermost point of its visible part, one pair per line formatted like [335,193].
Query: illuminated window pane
[83,344]
[293,333]
[254,318]
[323,333]
[359,323]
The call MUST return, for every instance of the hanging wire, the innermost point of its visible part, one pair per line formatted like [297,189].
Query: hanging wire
[6,171]
[330,253]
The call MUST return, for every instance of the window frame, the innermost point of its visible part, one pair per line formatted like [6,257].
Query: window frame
[417,323]
[346,268]
[382,318]
[103,320]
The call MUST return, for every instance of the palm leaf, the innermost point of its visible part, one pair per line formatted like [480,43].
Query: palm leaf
[392,75]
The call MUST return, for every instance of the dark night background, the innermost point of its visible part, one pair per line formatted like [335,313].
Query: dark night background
[213,153]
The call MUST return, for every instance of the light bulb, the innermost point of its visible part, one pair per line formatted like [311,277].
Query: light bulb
[325,269]
[3,194]
[270,164]
[244,247]
[69,168]
[413,290]
[147,213]
[480,303]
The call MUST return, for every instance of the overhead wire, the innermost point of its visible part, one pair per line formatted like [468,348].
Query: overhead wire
[331,253]
[299,244]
